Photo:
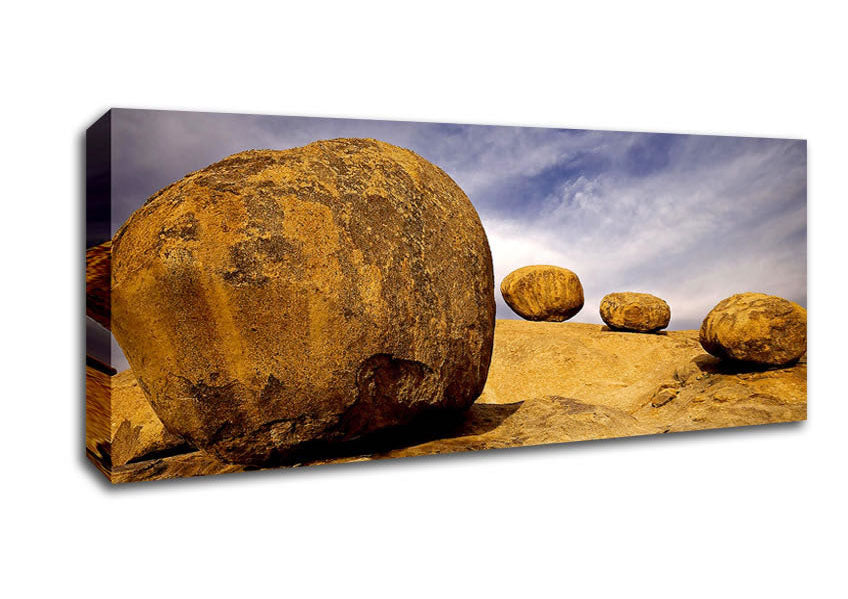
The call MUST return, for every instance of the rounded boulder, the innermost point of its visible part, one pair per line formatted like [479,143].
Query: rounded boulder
[276,300]
[638,312]
[543,293]
[755,327]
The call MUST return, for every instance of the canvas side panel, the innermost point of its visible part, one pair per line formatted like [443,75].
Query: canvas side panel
[98,420]
[98,369]
[98,169]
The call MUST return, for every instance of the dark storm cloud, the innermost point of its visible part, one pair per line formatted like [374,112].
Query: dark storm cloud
[692,219]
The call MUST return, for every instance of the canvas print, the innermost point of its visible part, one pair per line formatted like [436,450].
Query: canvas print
[273,291]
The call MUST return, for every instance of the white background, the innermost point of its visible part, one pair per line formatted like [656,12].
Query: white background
[758,512]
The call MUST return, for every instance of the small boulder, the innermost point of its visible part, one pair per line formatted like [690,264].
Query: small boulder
[639,312]
[755,327]
[547,293]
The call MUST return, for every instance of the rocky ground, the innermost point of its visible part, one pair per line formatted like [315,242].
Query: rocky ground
[548,383]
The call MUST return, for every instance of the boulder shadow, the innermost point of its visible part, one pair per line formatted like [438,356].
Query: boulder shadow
[476,420]
[608,329]
[713,365]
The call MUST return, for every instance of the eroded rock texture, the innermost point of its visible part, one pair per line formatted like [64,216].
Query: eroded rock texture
[754,327]
[547,293]
[639,312]
[278,298]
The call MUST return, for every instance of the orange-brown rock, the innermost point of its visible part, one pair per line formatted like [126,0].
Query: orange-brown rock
[707,393]
[639,312]
[121,427]
[540,292]
[586,362]
[278,298]
[98,415]
[665,382]
[136,430]
[755,327]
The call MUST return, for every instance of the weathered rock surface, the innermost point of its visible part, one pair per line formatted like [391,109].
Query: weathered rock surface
[707,392]
[277,298]
[554,383]
[136,430]
[586,362]
[639,312]
[755,327]
[543,293]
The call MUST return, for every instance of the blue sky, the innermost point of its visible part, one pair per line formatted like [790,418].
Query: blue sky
[689,218]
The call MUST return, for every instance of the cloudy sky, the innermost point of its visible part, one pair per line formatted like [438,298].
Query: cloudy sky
[689,218]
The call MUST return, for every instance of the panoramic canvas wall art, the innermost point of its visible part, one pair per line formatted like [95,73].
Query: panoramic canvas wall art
[271,291]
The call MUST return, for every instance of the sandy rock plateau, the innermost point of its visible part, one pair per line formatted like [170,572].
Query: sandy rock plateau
[548,383]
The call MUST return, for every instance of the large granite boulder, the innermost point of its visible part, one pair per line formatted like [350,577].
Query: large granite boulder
[639,312]
[277,299]
[758,328]
[543,293]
